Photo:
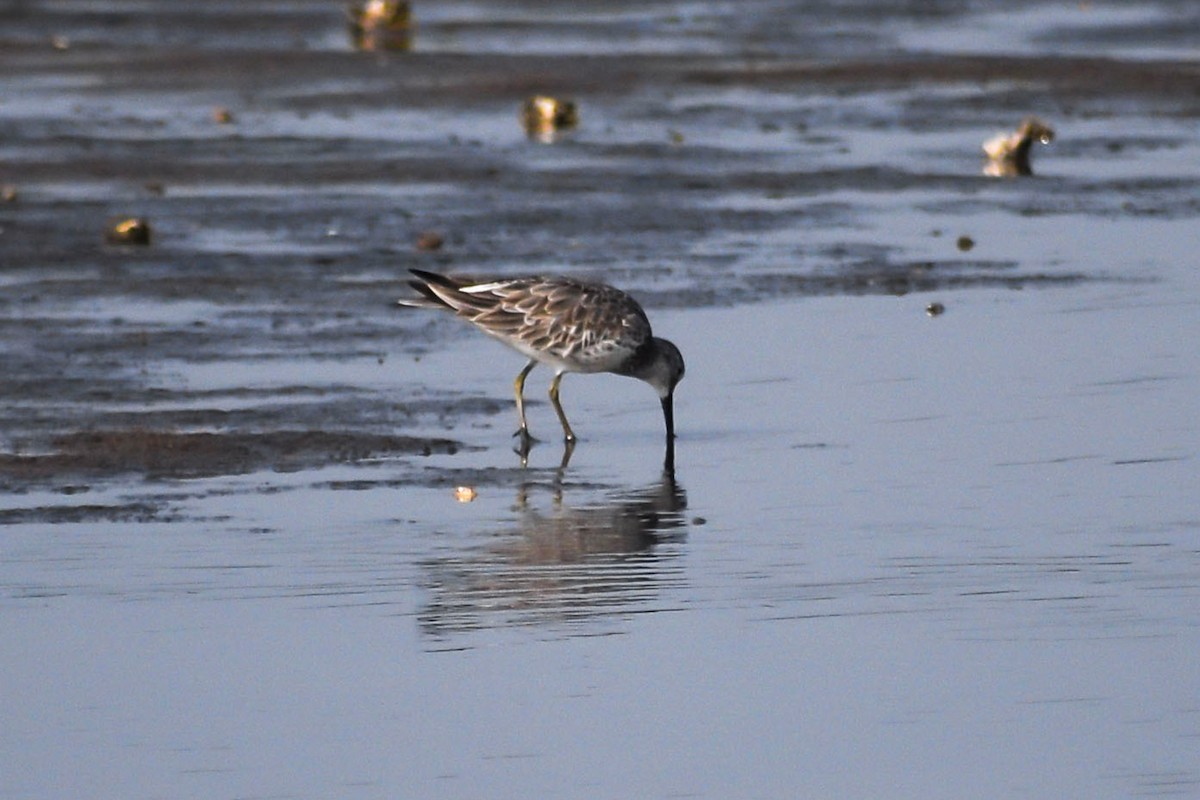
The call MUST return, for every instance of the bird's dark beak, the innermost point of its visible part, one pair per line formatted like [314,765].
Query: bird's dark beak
[668,404]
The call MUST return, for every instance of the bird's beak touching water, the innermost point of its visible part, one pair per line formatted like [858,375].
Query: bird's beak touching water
[668,404]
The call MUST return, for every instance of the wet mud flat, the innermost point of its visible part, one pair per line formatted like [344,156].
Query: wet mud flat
[725,156]
[289,178]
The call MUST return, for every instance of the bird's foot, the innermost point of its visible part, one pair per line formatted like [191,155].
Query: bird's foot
[568,449]
[524,443]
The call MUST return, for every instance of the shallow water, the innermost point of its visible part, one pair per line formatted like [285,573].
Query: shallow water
[901,555]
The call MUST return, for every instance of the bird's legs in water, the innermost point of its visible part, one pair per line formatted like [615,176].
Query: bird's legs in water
[519,388]
[562,417]
[527,440]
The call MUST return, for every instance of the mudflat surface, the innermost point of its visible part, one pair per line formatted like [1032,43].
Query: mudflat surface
[718,150]
[903,554]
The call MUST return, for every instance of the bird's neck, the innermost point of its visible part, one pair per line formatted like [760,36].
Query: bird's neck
[640,362]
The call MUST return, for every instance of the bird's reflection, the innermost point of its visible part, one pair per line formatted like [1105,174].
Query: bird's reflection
[525,446]
[562,563]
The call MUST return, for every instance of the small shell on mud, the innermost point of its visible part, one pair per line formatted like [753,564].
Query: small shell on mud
[222,115]
[465,494]
[935,309]
[544,116]
[381,25]
[1008,153]
[133,230]
[60,42]
[964,243]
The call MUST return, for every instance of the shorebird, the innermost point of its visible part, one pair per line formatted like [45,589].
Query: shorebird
[567,324]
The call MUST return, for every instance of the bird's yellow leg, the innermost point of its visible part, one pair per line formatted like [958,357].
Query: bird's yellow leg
[519,388]
[570,434]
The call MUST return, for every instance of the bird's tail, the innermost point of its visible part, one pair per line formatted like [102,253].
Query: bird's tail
[441,291]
